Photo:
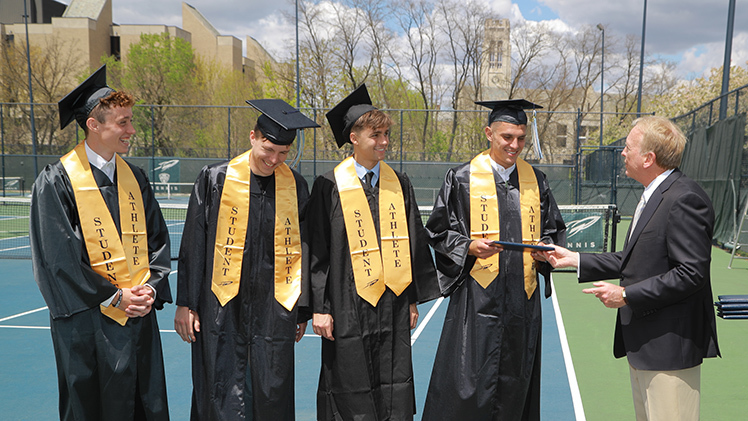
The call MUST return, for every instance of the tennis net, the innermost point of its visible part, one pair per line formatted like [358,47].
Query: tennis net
[590,228]
[14,226]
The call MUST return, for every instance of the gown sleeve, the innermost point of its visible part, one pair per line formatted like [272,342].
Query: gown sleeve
[446,229]
[304,305]
[193,250]
[318,213]
[425,283]
[59,258]
[61,266]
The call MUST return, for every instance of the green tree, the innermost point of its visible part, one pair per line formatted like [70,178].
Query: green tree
[225,90]
[54,68]
[159,71]
[689,95]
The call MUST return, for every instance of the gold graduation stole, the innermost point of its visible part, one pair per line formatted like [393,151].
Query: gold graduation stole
[231,233]
[122,261]
[375,268]
[484,217]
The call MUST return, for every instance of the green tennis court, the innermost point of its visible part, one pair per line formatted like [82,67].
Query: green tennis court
[604,381]
[28,388]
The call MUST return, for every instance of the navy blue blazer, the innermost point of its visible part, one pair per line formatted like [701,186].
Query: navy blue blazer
[669,323]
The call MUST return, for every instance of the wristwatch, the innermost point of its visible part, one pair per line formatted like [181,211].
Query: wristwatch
[623,294]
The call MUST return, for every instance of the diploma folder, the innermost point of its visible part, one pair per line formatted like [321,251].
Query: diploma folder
[732,306]
[734,316]
[724,299]
[521,247]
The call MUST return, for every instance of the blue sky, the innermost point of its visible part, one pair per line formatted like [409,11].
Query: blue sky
[534,10]
[691,32]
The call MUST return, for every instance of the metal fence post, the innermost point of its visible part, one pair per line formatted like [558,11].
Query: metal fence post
[228,156]
[153,145]
[578,182]
[737,101]
[401,141]
[613,176]
[2,141]
[314,166]
[693,123]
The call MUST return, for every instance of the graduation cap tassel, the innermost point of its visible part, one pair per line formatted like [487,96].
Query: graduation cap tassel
[535,139]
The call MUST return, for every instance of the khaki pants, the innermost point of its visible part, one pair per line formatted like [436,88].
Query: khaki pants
[666,395]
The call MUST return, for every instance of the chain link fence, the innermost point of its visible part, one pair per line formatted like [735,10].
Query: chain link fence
[173,143]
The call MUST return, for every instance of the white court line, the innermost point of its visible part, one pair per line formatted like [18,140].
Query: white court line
[24,327]
[10,239]
[47,327]
[12,218]
[425,321]
[14,238]
[576,397]
[14,248]
[22,314]
[421,326]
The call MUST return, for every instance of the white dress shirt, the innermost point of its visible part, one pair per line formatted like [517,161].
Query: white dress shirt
[107,167]
[503,172]
[361,172]
[648,192]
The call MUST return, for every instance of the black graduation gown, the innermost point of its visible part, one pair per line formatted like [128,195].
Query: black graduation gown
[367,371]
[487,365]
[105,371]
[253,325]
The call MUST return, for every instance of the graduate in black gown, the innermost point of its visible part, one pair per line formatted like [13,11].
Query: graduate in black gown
[108,367]
[487,365]
[243,349]
[366,370]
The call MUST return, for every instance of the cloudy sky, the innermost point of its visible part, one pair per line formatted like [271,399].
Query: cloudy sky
[690,32]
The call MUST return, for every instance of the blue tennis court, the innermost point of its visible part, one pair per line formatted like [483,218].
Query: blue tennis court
[28,390]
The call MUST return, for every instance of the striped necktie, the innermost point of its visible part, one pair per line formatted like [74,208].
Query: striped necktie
[367,179]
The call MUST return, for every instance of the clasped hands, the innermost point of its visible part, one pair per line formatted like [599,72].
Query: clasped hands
[137,301]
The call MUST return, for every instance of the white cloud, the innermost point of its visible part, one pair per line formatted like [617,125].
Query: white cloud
[502,7]
[692,29]
[276,34]
[740,49]
[699,58]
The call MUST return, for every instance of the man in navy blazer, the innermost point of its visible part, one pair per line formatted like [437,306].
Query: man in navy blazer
[665,324]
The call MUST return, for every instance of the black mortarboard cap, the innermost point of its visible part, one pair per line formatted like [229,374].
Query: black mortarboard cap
[79,103]
[279,120]
[344,115]
[509,110]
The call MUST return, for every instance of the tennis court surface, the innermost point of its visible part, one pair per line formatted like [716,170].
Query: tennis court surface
[577,343]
